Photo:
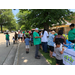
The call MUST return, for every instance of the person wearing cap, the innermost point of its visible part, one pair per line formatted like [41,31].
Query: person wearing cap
[36,41]
[71,34]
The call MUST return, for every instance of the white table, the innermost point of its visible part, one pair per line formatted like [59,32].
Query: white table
[68,57]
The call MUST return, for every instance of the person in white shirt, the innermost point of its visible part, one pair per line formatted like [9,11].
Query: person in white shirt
[21,36]
[13,40]
[44,40]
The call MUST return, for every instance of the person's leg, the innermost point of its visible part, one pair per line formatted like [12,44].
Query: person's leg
[6,43]
[52,54]
[36,51]
[61,62]
[52,50]
[41,47]
[21,39]
[57,62]
[45,46]
[9,42]
[28,48]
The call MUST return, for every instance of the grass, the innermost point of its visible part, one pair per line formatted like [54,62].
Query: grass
[52,61]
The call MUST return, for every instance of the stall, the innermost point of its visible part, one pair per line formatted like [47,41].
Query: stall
[69,54]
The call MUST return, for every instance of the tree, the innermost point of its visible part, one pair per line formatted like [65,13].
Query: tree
[23,21]
[7,18]
[47,17]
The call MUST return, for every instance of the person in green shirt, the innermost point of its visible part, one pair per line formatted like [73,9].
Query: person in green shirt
[36,41]
[7,39]
[23,32]
[71,34]
[27,33]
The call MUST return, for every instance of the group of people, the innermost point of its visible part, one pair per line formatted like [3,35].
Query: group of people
[46,40]
[52,41]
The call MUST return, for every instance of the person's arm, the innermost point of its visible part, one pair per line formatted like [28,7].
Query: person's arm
[64,39]
[47,34]
[35,36]
[62,51]
[54,39]
[38,37]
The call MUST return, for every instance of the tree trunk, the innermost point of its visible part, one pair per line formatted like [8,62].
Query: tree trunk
[1,28]
[46,26]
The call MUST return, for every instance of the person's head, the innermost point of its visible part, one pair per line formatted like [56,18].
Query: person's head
[26,36]
[57,43]
[15,32]
[50,30]
[7,33]
[37,30]
[60,32]
[72,26]
[44,30]
[53,32]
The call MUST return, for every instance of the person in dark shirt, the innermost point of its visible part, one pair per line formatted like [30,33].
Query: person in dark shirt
[60,37]
[16,37]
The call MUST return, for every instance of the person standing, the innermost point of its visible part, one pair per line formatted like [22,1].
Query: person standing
[21,36]
[60,37]
[44,40]
[51,43]
[59,53]
[27,44]
[36,41]
[16,37]
[71,34]
[7,39]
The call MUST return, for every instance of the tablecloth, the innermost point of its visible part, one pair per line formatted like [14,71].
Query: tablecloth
[68,56]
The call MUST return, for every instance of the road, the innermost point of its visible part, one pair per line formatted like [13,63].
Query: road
[4,51]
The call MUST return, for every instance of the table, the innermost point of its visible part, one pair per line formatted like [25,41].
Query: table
[68,56]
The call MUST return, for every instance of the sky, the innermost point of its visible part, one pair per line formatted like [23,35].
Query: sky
[17,10]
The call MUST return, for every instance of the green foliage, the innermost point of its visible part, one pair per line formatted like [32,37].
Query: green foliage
[45,17]
[24,23]
[7,19]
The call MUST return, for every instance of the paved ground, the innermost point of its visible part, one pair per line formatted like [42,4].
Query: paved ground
[4,51]
[7,54]
[28,59]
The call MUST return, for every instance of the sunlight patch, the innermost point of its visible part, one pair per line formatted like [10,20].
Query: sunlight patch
[25,61]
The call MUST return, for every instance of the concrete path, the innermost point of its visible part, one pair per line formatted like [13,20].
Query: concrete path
[29,59]
[4,51]
[11,56]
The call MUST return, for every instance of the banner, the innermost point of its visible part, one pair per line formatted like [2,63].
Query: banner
[69,57]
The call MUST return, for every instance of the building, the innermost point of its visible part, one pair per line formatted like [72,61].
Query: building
[64,27]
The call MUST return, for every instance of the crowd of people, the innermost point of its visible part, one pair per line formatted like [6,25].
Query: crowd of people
[45,40]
